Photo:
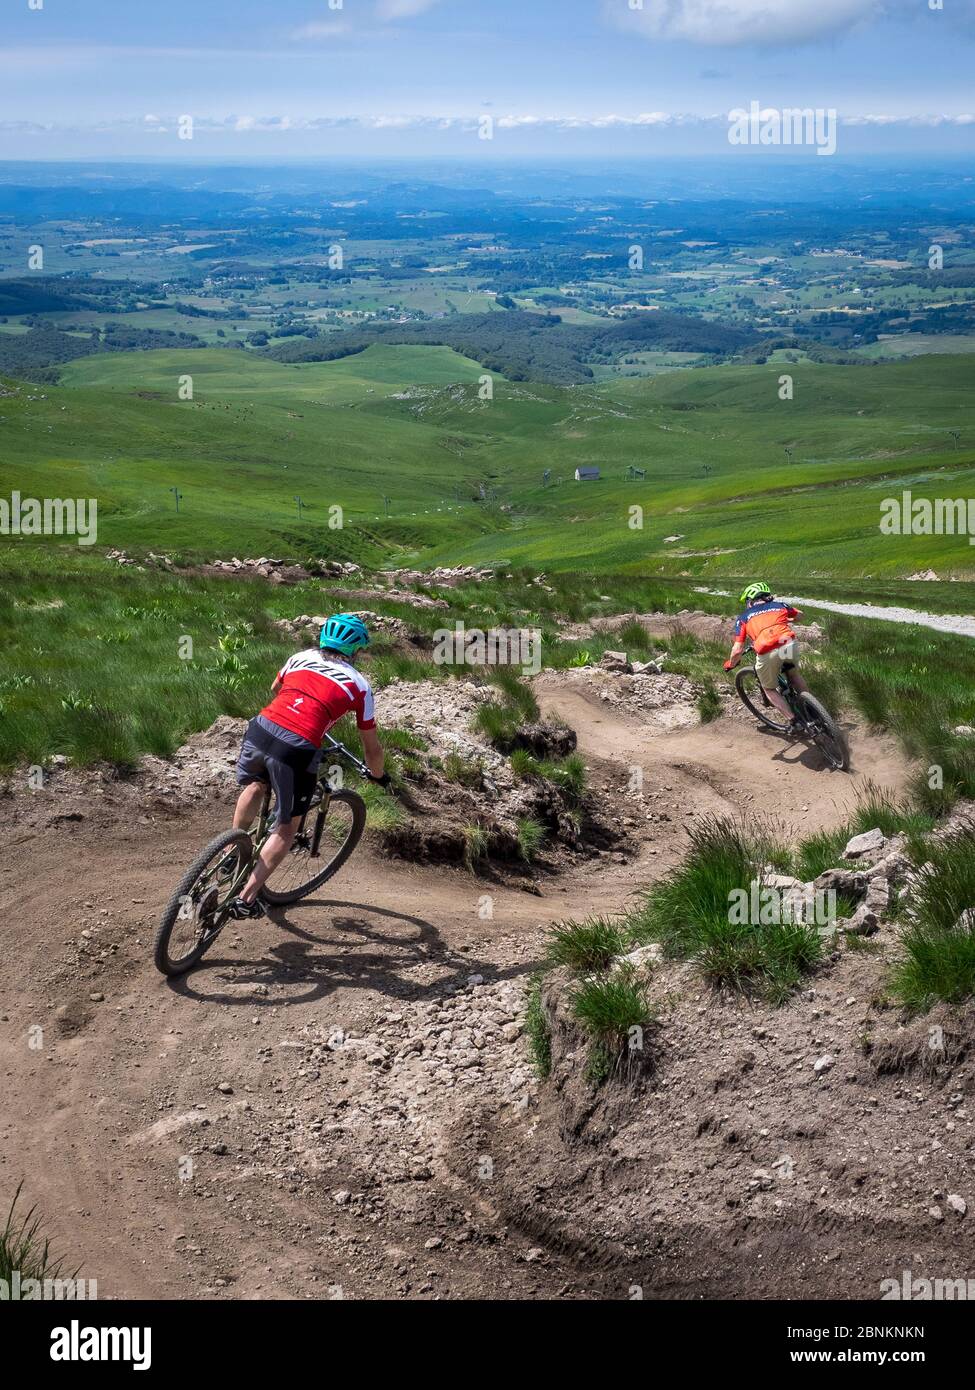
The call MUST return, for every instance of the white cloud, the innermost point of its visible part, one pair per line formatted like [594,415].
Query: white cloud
[761,22]
[404,9]
[245,124]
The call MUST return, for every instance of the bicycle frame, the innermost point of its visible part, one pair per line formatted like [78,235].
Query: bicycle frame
[264,829]
[789,693]
[785,686]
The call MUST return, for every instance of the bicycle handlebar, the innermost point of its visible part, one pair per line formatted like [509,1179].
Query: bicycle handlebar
[335,746]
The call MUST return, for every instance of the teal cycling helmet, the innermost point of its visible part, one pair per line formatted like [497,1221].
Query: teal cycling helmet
[755,591]
[345,633]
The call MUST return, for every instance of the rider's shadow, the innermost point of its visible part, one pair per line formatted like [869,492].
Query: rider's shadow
[358,946]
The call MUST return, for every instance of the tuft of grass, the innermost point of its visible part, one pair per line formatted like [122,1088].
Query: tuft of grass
[708,701]
[466,772]
[537,1029]
[568,774]
[531,837]
[938,943]
[383,812]
[524,764]
[586,947]
[497,722]
[475,845]
[689,913]
[616,1013]
[518,694]
[929,791]
[23,1248]
[879,807]
[633,637]
[818,852]
[871,693]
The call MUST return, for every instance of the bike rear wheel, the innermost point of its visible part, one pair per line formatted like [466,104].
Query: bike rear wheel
[327,836]
[756,701]
[824,732]
[197,911]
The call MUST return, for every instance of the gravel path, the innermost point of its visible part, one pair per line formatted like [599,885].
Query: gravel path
[961,625]
[940,622]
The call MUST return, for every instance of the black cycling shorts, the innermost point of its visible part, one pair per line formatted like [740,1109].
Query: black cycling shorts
[292,772]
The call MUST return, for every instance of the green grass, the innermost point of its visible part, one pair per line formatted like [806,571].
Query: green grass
[688,912]
[586,947]
[537,1030]
[465,772]
[24,1248]
[938,942]
[817,852]
[407,423]
[109,673]
[500,719]
[568,774]
[616,1014]
[708,702]
[475,845]
[915,682]
[531,836]
[634,639]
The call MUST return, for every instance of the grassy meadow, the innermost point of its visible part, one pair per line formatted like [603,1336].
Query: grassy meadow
[721,496]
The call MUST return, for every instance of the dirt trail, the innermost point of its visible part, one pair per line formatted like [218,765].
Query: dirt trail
[122,1086]
[727,765]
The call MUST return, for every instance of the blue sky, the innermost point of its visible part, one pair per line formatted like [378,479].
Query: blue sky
[306,78]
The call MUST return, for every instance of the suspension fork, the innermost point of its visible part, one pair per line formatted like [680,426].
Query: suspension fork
[316,838]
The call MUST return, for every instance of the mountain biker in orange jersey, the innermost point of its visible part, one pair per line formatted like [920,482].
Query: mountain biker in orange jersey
[765,623]
[282,745]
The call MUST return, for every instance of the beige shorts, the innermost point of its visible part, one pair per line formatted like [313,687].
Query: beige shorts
[769,664]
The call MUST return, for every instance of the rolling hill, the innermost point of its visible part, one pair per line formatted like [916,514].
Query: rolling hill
[735,478]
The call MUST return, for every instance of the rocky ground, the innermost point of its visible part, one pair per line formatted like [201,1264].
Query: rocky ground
[833,1136]
[340,1101]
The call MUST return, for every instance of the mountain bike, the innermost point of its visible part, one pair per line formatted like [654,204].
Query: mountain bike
[813,720]
[327,835]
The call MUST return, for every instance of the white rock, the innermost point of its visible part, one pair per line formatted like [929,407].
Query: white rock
[824,1063]
[868,843]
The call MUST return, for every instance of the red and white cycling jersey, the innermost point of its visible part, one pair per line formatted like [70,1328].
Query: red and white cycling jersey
[316,690]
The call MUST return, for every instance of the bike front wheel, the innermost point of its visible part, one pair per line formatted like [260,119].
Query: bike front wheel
[327,836]
[753,696]
[197,911]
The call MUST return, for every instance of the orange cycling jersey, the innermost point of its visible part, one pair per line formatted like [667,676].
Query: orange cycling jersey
[766,626]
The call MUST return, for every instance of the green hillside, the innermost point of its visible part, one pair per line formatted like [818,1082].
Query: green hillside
[254,435]
[464,475]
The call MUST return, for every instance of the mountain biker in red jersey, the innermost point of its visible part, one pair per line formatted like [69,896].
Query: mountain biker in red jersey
[765,623]
[282,744]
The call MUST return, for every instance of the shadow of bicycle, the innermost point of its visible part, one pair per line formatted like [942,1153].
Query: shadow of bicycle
[353,945]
